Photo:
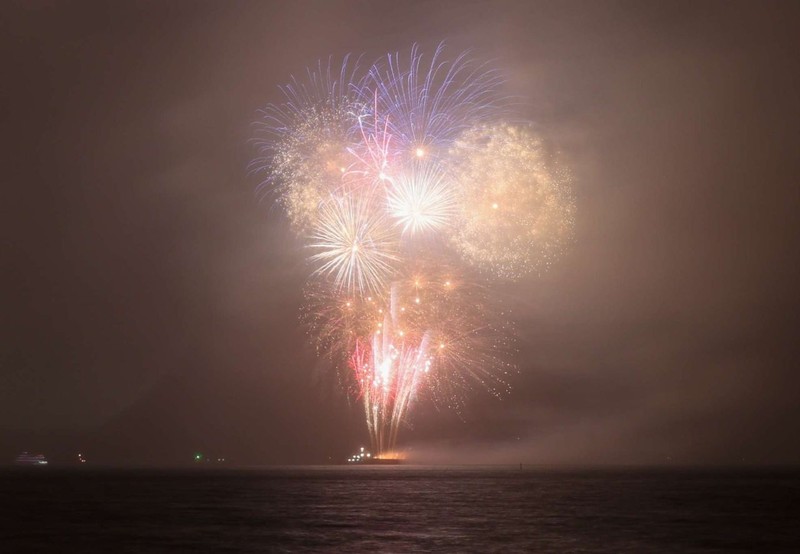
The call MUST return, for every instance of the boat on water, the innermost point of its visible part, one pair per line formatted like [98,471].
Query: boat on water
[26,459]
[366,458]
[381,461]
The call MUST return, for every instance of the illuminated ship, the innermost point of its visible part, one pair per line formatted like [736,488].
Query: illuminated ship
[26,459]
[365,458]
[382,461]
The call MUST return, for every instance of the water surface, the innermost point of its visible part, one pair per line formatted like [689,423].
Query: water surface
[399,509]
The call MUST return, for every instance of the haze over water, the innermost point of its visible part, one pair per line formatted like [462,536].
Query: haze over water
[401,509]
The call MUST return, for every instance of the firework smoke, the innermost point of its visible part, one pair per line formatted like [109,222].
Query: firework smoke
[412,195]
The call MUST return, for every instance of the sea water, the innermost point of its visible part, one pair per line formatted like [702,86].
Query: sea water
[400,509]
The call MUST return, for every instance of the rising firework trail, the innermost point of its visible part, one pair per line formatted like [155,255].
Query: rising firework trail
[413,195]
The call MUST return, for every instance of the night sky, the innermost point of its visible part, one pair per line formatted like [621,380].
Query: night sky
[150,301]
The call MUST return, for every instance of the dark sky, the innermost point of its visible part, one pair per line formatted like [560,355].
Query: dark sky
[150,302]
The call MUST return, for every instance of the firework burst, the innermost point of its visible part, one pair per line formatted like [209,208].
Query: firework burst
[354,244]
[516,211]
[428,101]
[421,199]
[402,177]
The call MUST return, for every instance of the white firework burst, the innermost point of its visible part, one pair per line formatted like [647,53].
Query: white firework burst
[421,199]
[355,245]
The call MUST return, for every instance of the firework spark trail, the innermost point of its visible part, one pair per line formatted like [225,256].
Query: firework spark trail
[389,374]
[373,152]
[402,177]
[430,104]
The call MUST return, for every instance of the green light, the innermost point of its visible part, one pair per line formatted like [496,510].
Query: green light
[198,456]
